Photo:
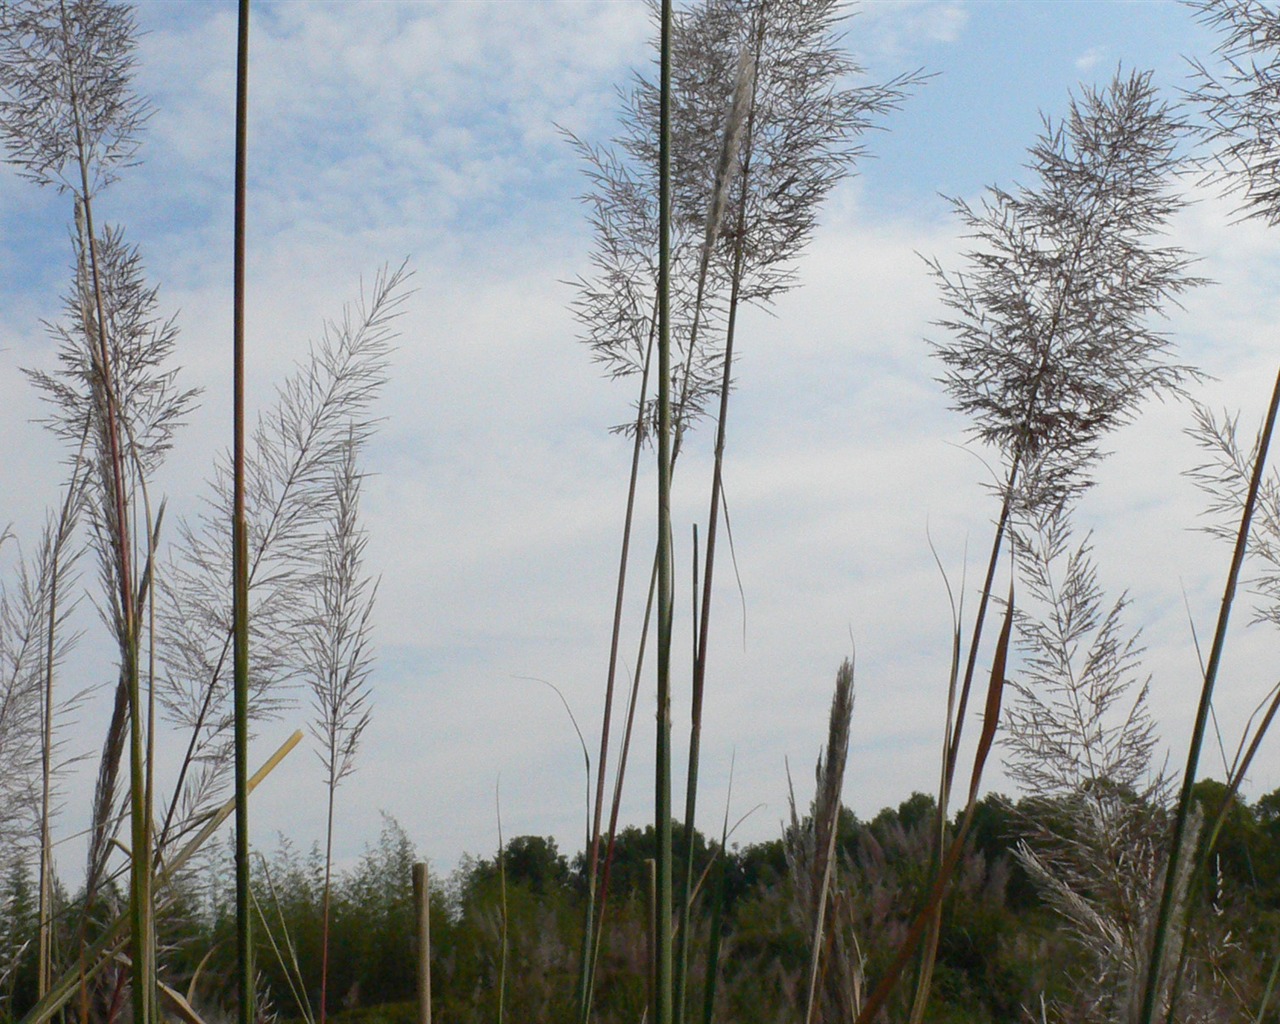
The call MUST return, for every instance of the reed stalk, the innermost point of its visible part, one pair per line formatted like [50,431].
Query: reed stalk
[502,895]
[141,899]
[1165,917]
[813,118]
[240,542]
[662,1011]
[717,918]
[422,921]
[338,662]
[587,962]
[737,135]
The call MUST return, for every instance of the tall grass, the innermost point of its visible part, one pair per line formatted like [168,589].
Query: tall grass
[1053,345]
[763,125]
[70,121]
[701,207]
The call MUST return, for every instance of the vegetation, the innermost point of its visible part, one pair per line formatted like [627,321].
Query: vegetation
[1109,890]
[1004,943]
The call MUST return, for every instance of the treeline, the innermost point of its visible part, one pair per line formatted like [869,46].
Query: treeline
[507,929]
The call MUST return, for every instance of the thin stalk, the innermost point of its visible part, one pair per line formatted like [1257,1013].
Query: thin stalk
[140,895]
[683,900]
[704,612]
[141,743]
[615,809]
[951,744]
[1164,919]
[143,969]
[287,958]
[142,753]
[1268,991]
[662,795]
[148,595]
[502,892]
[240,546]
[587,961]
[997,543]
[328,875]
[651,872]
[717,917]
[422,907]
[820,921]
[1234,779]
[924,972]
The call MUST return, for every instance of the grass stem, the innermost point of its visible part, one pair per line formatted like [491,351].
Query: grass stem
[1164,918]
[240,545]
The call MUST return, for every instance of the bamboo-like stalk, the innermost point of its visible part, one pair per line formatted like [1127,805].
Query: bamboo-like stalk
[502,893]
[737,133]
[662,795]
[240,546]
[422,920]
[587,962]
[1164,918]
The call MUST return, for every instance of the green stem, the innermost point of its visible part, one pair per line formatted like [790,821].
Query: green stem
[662,795]
[240,548]
[1164,920]
[586,972]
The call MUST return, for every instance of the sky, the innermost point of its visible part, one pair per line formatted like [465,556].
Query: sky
[433,132]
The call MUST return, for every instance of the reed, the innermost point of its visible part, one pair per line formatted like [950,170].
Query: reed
[338,662]
[752,164]
[1046,359]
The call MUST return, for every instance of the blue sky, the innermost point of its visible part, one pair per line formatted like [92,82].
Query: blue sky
[429,130]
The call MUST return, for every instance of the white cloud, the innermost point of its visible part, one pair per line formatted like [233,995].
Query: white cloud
[898,31]
[1090,59]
